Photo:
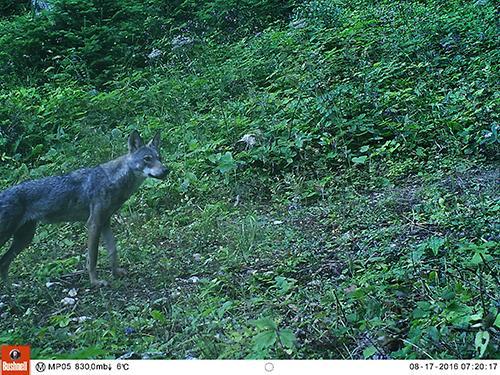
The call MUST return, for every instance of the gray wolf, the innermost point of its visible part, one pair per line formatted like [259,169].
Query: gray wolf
[88,194]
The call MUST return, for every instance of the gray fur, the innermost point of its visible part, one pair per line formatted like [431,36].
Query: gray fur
[88,194]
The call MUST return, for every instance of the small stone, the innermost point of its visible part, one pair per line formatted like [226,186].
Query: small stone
[150,355]
[81,319]
[129,355]
[175,293]
[73,292]
[350,289]
[68,301]
[298,24]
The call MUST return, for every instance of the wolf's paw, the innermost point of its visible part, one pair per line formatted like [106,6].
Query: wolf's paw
[99,283]
[118,272]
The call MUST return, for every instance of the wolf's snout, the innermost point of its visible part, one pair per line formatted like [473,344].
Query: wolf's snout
[160,174]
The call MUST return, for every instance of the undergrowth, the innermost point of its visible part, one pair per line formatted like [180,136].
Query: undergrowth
[334,187]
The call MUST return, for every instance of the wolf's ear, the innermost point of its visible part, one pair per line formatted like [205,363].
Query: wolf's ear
[156,141]
[135,141]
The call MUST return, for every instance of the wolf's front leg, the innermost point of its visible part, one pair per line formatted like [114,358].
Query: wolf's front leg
[94,228]
[110,243]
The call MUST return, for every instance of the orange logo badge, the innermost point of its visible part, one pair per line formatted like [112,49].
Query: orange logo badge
[15,360]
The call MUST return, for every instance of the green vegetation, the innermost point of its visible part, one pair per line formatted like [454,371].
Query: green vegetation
[334,191]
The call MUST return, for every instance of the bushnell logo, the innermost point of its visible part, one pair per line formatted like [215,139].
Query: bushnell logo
[15,354]
[15,360]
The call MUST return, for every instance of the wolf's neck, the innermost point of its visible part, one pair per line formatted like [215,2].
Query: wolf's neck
[119,172]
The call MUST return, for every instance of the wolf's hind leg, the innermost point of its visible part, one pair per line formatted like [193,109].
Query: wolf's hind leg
[7,228]
[4,237]
[94,233]
[110,243]
[22,238]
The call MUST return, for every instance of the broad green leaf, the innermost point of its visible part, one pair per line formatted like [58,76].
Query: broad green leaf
[420,151]
[447,295]
[265,323]
[481,342]
[424,305]
[433,277]
[264,340]
[435,244]
[359,159]
[419,313]
[226,163]
[417,254]
[287,338]
[225,306]
[283,285]
[433,333]
[158,315]
[64,322]
[368,352]
[477,259]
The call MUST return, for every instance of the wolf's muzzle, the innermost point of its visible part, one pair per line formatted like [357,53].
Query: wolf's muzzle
[161,175]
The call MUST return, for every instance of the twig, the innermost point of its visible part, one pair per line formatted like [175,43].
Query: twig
[350,329]
[468,283]
[72,274]
[340,307]
[493,273]
[420,225]
[417,347]
[481,291]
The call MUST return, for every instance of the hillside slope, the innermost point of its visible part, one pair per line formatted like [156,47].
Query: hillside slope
[334,186]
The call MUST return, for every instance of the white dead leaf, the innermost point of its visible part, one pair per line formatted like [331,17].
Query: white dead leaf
[181,41]
[249,140]
[155,53]
[237,200]
[50,284]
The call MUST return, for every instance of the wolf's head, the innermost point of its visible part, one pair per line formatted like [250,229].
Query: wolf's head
[145,159]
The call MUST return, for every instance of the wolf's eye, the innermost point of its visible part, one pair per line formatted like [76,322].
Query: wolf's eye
[148,158]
